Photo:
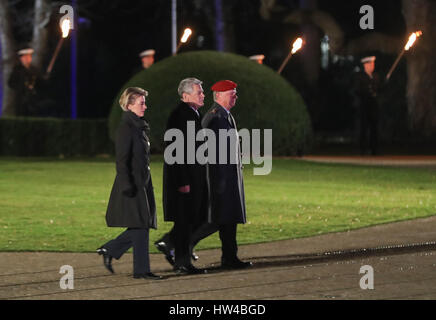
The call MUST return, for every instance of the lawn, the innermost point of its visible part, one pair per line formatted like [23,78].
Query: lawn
[60,204]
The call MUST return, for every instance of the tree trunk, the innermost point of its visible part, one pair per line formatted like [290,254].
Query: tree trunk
[224,26]
[8,48]
[312,49]
[421,66]
[229,27]
[40,32]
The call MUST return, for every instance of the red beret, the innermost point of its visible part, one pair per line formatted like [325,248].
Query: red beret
[224,85]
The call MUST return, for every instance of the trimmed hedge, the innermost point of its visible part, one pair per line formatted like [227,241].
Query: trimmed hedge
[266,100]
[53,137]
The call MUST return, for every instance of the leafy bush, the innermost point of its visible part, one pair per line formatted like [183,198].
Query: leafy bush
[266,100]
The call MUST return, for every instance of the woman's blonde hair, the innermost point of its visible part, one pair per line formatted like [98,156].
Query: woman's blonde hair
[130,95]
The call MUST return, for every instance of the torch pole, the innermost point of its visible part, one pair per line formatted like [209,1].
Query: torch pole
[388,76]
[285,62]
[55,55]
[177,49]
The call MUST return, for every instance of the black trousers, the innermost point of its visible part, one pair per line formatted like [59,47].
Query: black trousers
[182,230]
[369,134]
[227,234]
[136,238]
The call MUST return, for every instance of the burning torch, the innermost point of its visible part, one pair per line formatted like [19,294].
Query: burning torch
[409,44]
[297,45]
[184,39]
[66,26]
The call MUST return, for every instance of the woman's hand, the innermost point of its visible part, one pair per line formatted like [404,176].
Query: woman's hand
[130,192]
[184,189]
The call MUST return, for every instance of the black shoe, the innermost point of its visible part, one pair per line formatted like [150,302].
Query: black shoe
[164,248]
[148,276]
[190,269]
[235,264]
[107,259]
[194,256]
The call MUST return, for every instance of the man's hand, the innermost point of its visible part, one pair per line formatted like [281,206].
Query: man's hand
[130,192]
[184,189]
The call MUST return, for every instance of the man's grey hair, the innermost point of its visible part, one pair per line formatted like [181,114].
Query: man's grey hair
[187,86]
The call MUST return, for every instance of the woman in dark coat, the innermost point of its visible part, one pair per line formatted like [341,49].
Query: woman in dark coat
[131,204]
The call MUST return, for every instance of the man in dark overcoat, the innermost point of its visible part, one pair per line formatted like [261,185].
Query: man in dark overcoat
[185,194]
[225,176]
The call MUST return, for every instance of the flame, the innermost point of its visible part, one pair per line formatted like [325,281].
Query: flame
[412,39]
[297,45]
[66,24]
[186,35]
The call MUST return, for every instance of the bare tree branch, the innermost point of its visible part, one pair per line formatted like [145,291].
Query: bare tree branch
[421,82]
[8,47]
[42,16]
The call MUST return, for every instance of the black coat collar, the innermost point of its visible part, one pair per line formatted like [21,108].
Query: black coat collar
[184,105]
[221,110]
[138,122]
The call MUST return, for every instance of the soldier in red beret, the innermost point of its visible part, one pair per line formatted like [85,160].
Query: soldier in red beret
[225,179]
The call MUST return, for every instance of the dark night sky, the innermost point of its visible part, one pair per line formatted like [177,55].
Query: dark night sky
[388,16]
[110,37]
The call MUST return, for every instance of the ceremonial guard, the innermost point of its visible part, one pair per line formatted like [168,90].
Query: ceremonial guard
[147,58]
[366,88]
[132,203]
[26,82]
[225,177]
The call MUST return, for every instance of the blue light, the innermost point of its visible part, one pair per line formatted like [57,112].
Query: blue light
[219,26]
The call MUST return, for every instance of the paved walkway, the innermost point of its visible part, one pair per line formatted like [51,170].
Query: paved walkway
[402,256]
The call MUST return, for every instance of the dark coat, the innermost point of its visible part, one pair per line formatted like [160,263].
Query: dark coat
[366,90]
[225,180]
[178,175]
[132,202]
